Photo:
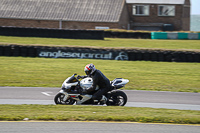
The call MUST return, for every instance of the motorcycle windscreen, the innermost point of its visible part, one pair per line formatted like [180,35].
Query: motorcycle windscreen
[72,80]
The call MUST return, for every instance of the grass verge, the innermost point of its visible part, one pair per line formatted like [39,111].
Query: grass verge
[191,45]
[48,72]
[97,113]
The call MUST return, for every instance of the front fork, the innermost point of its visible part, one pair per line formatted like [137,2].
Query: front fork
[66,95]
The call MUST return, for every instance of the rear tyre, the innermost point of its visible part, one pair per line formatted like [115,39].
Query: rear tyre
[59,100]
[117,98]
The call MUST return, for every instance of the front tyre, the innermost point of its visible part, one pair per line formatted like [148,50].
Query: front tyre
[59,100]
[117,98]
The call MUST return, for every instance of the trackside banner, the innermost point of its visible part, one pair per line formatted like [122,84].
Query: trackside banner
[106,55]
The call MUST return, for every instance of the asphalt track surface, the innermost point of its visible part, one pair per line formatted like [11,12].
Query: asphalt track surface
[153,99]
[93,127]
[42,95]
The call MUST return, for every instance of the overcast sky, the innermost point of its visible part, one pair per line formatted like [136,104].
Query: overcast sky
[195,7]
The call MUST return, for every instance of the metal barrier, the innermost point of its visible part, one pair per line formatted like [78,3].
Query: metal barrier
[175,35]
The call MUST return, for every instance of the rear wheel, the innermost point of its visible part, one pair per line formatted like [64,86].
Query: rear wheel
[59,100]
[117,98]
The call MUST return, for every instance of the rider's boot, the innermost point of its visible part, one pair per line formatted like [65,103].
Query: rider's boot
[96,102]
[103,100]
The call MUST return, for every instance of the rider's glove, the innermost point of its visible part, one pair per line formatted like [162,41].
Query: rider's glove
[79,77]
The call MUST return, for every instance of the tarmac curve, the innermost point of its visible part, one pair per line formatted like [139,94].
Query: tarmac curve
[153,99]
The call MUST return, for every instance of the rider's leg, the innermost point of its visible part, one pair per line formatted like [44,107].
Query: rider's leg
[98,95]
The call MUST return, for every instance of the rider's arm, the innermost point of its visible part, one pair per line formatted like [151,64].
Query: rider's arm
[82,76]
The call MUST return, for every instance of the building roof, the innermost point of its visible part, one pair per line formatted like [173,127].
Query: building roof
[156,1]
[66,10]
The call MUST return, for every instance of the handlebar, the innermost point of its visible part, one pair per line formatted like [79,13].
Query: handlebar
[76,78]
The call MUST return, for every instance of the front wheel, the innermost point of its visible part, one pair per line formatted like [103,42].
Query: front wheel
[59,100]
[117,98]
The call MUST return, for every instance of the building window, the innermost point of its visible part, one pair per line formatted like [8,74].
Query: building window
[142,10]
[166,10]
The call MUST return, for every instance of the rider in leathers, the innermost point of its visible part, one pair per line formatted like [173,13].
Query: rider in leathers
[98,79]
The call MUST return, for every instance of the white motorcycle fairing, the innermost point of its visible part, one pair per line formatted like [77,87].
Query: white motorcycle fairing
[84,84]
[72,88]
[87,83]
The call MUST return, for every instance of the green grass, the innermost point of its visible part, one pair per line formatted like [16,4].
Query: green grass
[48,72]
[97,113]
[108,42]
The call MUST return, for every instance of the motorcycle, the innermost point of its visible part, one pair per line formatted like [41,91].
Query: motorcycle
[71,92]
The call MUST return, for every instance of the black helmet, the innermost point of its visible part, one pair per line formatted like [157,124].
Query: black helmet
[89,69]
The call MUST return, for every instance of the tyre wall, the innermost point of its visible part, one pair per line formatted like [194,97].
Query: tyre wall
[136,35]
[105,54]
[71,34]
[52,33]
[92,34]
